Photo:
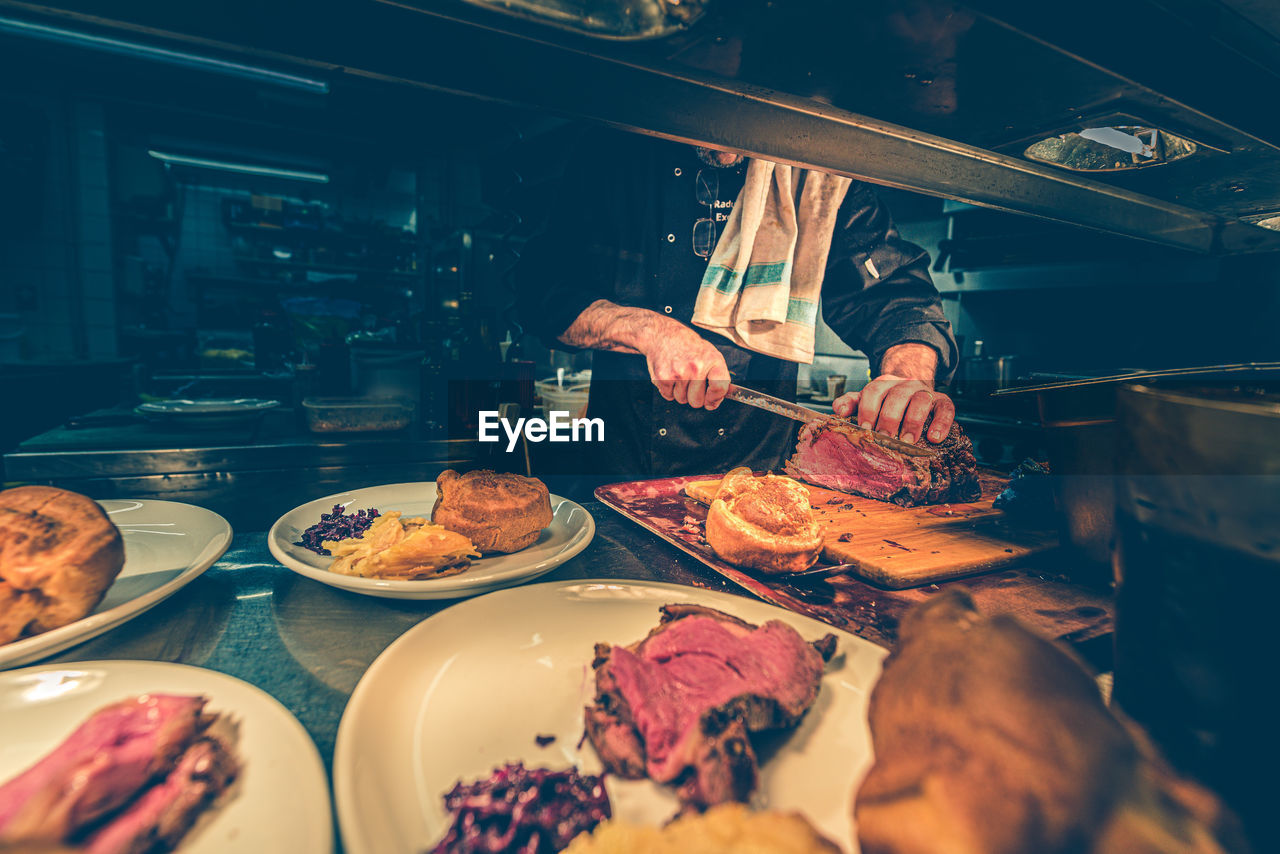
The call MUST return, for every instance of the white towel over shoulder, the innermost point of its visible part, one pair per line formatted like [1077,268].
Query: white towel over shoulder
[762,283]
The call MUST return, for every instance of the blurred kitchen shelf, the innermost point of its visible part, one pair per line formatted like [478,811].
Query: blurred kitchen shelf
[236,282]
[326,268]
[166,221]
[1108,275]
[407,239]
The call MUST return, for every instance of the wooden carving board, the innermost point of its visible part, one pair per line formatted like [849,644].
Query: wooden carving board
[898,547]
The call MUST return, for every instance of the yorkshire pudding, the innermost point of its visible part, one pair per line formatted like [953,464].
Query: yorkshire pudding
[763,523]
[58,555]
[497,512]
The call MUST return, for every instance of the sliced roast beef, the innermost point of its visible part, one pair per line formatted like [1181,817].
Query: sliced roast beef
[848,459]
[678,705]
[162,814]
[98,767]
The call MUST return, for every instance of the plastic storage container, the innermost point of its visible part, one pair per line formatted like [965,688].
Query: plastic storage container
[387,373]
[570,397]
[357,414]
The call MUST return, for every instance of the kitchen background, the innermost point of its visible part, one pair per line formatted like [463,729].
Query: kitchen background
[171,232]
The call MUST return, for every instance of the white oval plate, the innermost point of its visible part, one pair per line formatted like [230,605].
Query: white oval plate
[183,408]
[206,414]
[469,688]
[167,544]
[280,803]
[570,531]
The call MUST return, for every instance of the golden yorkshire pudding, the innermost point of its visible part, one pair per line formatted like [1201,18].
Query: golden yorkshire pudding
[990,739]
[497,512]
[58,555]
[764,523]
[723,829]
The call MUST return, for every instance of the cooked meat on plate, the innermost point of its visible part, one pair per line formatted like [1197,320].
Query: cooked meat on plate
[678,705]
[132,778]
[59,552]
[848,459]
[159,817]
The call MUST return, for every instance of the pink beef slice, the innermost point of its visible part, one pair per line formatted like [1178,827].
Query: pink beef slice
[161,815]
[111,756]
[850,460]
[677,706]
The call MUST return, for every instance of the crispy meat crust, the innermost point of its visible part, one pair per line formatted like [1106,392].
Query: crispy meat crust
[847,459]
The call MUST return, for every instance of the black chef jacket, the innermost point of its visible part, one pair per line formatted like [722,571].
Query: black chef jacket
[622,230]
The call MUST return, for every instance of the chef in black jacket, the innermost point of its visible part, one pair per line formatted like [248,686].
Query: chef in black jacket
[617,271]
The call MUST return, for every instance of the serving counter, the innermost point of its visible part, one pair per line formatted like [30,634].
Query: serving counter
[308,644]
[248,474]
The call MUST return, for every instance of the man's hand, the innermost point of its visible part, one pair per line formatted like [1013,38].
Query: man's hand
[899,406]
[901,399]
[683,365]
[686,367]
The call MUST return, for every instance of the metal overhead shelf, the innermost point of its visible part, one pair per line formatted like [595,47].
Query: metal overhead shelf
[1112,274]
[677,89]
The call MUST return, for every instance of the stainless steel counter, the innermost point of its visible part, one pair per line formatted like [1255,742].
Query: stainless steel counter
[246,473]
[308,644]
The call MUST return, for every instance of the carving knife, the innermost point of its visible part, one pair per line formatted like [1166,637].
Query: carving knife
[796,412]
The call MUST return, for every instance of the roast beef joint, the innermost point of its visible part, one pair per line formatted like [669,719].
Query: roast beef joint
[853,460]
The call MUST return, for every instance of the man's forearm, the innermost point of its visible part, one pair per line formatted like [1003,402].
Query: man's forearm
[606,326]
[913,360]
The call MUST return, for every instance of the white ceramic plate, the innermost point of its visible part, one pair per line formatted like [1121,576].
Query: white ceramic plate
[204,408]
[570,530]
[279,804]
[470,687]
[208,414]
[166,545]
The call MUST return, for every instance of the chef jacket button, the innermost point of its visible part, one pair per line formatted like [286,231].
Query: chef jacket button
[720,431]
[678,171]
[662,431]
[671,238]
[667,309]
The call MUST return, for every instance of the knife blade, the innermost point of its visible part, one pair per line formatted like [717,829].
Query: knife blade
[796,412]
[819,571]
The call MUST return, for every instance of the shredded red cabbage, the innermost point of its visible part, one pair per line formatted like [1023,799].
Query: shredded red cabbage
[336,526]
[523,810]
